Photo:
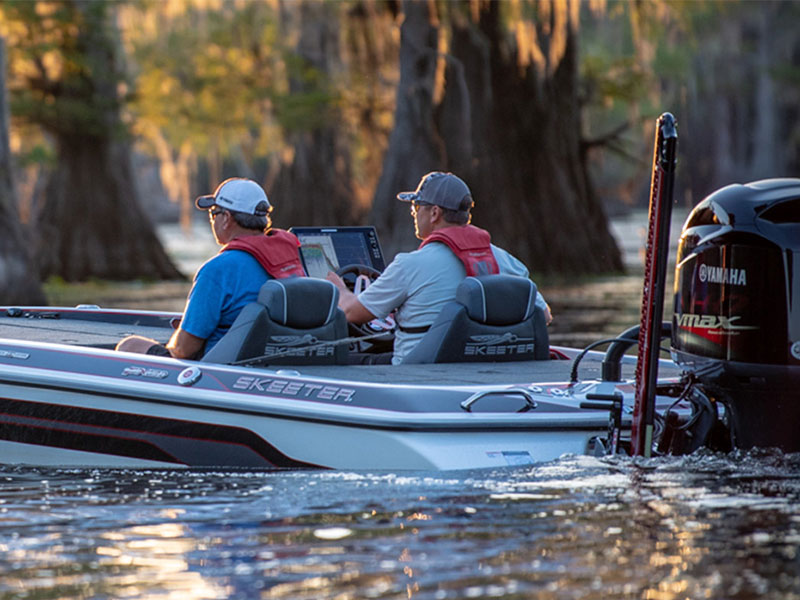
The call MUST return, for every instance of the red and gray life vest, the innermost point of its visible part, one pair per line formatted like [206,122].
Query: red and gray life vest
[277,252]
[472,245]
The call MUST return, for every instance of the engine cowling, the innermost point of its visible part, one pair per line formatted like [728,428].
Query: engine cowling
[736,323]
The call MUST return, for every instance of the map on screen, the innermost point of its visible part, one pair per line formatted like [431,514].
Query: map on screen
[324,249]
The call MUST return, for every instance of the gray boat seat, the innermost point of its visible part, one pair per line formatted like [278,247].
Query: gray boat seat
[494,318]
[287,325]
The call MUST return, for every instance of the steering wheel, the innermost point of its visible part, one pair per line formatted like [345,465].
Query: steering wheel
[384,343]
[350,273]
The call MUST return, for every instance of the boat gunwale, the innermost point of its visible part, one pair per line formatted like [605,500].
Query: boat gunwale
[301,409]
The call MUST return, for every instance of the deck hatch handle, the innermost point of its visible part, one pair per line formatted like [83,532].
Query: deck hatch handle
[530,403]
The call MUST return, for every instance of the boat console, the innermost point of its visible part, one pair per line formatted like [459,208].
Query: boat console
[326,249]
[355,254]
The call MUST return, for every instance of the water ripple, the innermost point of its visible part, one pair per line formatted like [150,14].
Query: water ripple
[706,525]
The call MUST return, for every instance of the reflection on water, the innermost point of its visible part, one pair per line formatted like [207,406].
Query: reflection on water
[704,526]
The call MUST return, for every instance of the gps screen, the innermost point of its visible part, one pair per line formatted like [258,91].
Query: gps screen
[326,249]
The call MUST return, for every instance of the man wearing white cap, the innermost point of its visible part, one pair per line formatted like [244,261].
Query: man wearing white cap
[418,284]
[252,252]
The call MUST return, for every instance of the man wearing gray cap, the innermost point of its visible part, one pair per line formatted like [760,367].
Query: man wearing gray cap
[418,284]
[252,252]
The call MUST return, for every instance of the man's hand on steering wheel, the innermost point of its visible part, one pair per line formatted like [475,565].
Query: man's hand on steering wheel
[349,275]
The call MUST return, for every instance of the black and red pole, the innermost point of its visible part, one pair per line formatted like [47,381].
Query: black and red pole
[655,281]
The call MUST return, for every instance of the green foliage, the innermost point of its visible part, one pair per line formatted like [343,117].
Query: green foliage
[218,79]
[192,86]
[607,80]
[214,79]
[59,57]
[37,154]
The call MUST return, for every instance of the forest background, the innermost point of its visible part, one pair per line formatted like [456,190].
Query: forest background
[115,115]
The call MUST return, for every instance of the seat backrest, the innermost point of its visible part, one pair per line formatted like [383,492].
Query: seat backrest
[286,326]
[494,318]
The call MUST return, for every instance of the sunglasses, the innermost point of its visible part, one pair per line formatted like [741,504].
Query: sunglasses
[416,205]
[214,212]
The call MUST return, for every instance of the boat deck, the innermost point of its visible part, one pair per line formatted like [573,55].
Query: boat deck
[455,374]
[64,328]
[47,327]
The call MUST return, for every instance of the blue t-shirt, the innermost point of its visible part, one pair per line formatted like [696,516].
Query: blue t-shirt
[222,287]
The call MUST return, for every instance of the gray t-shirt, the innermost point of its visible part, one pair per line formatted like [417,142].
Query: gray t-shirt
[418,284]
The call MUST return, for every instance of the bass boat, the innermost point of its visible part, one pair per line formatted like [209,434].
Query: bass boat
[483,389]
[69,399]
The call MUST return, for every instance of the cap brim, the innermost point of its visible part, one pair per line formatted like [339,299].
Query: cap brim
[205,202]
[407,196]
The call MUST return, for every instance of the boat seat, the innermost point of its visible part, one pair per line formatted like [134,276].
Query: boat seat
[494,318]
[287,325]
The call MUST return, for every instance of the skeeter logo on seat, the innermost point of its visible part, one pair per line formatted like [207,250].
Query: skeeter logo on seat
[297,345]
[493,345]
[284,387]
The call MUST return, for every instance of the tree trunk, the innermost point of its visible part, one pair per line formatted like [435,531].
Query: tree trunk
[765,161]
[91,224]
[415,147]
[742,110]
[314,188]
[510,129]
[18,281]
[529,174]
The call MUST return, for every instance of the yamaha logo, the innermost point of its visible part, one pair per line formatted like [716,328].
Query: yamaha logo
[710,274]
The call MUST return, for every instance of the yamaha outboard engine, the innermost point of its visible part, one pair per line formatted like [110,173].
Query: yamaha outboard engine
[736,323]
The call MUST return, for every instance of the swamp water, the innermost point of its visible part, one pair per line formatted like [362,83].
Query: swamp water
[703,526]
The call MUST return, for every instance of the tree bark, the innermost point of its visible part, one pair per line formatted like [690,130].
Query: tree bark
[530,175]
[18,281]
[765,156]
[742,108]
[314,187]
[91,224]
[510,129]
[415,146]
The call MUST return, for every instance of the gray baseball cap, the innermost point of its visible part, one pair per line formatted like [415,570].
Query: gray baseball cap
[442,189]
[239,195]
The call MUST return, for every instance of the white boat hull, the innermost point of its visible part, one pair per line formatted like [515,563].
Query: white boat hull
[65,405]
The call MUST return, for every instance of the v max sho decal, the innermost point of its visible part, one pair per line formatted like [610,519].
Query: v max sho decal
[717,323]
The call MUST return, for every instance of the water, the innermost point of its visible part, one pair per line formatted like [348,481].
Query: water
[703,526]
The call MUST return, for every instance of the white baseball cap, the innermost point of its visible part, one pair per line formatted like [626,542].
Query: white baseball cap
[239,195]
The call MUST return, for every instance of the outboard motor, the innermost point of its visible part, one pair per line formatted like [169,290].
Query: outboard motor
[736,323]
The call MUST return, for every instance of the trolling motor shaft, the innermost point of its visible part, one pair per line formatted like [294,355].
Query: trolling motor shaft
[655,280]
